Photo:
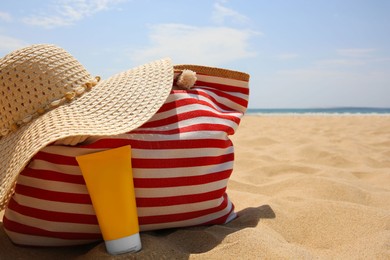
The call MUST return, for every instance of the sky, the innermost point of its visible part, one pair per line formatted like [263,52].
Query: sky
[299,53]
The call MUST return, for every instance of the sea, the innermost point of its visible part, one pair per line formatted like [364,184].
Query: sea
[315,111]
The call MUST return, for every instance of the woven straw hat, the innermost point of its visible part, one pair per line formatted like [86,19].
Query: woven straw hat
[47,95]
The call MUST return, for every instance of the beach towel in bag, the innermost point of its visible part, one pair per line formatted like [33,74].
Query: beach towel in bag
[182,159]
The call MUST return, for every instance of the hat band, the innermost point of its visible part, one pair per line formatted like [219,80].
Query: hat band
[67,97]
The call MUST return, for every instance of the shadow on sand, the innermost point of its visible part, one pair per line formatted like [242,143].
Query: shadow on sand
[163,244]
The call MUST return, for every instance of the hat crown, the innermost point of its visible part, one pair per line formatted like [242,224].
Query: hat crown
[32,78]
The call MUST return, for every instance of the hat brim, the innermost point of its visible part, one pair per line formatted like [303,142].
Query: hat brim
[117,105]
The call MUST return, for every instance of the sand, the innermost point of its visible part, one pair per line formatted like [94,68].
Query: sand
[305,187]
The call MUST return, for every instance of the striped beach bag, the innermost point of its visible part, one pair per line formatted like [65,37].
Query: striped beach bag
[182,159]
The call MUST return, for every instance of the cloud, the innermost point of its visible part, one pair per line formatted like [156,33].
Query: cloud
[67,12]
[351,57]
[341,62]
[6,17]
[214,45]
[222,13]
[356,53]
[8,43]
[203,45]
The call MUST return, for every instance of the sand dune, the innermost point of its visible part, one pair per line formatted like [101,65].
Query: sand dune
[304,187]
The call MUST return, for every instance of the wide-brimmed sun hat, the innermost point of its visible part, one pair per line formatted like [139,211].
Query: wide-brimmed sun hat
[47,95]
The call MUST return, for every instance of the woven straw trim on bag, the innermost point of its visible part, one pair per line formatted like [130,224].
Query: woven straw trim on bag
[217,72]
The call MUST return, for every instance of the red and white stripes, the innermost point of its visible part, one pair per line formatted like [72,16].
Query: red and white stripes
[182,159]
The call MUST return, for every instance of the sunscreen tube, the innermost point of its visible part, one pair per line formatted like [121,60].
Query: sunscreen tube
[109,178]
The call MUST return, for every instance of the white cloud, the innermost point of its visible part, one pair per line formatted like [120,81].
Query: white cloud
[310,76]
[208,45]
[351,57]
[67,12]
[202,45]
[221,13]
[341,62]
[8,43]
[5,17]
[356,53]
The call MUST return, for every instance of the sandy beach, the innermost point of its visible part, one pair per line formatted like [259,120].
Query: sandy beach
[304,187]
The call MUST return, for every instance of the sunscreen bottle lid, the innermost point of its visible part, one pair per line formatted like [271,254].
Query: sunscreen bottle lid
[124,245]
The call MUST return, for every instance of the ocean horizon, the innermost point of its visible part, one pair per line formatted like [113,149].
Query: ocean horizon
[330,110]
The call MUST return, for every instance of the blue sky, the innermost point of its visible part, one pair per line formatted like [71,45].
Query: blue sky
[299,53]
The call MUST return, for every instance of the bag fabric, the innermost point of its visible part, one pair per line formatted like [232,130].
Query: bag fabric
[182,159]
